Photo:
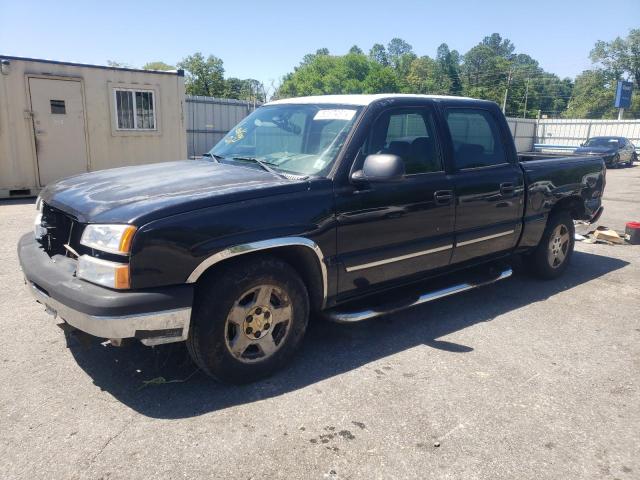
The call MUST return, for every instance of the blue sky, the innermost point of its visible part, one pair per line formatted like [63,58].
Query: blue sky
[266,39]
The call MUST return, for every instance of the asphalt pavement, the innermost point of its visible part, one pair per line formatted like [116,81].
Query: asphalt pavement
[522,379]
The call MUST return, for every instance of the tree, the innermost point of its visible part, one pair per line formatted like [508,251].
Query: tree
[203,76]
[449,62]
[158,66]
[500,47]
[379,54]
[331,74]
[593,96]
[425,76]
[356,49]
[620,56]
[380,79]
[400,53]
[248,89]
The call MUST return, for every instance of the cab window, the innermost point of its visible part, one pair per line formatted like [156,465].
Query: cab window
[476,138]
[410,134]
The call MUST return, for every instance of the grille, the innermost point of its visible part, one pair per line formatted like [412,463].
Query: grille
[60,228]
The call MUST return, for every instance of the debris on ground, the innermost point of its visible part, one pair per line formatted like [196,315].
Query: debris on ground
[586,233]
[608,235]
[164,381]
[632,233]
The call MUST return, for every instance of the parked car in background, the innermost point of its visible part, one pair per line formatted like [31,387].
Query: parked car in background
[614,150]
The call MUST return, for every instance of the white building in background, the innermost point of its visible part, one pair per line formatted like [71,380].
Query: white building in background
[59,119]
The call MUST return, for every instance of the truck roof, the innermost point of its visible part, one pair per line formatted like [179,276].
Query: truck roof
[359,99]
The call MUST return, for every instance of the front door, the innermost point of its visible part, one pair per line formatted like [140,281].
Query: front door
[489,185]
[58,123]
[389,231]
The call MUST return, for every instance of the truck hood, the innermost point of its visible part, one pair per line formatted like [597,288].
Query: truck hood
[596,150]
[144,193]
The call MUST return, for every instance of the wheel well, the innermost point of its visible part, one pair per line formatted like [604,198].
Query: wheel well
[574,205]
[301,258]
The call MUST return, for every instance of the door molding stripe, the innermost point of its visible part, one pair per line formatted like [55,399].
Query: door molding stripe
[397,259]
[482,239]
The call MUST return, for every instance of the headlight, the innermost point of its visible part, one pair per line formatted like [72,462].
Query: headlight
[108,238]
[103,272]
[38,230]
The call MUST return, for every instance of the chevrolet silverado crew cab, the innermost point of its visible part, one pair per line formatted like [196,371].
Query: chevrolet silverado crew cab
[346,207]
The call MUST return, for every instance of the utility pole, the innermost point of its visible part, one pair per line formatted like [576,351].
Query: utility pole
[620,113]
[506,93]
[526,97]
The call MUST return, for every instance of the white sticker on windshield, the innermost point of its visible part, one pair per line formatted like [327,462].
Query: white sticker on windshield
[319,164]
[334,114]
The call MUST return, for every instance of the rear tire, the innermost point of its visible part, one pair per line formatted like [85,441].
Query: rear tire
[248,320]
[551,257]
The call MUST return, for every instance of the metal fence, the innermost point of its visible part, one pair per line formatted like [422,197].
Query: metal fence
[209,119]
[523,131]
[566,134]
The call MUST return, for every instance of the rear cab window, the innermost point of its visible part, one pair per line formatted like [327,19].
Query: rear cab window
[476,138]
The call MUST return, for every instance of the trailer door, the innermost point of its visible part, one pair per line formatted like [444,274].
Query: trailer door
[59,128]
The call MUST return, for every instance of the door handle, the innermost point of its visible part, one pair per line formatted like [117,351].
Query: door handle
[507,188]
[443,197]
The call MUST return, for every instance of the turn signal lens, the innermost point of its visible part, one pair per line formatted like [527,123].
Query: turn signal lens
[127,237]
[103,272]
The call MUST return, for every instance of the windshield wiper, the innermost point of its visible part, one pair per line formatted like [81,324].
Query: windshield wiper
[262,163]
[212,155]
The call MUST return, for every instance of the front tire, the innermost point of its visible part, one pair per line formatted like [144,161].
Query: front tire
[249,319]
[551,257]
[634,158]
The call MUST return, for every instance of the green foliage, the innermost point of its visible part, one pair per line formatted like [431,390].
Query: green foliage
[203,76]
[321,74]
[158,66]
[593,96]
[486,71]
[427,76]
[379,54]
[620,57]
[594,90]
[248,89]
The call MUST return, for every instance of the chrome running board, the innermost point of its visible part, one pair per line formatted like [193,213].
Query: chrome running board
[350,316]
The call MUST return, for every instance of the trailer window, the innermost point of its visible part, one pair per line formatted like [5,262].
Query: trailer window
[135,109]
[58,107]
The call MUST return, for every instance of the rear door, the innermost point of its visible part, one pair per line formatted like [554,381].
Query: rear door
[489,183]
[389,231]
[58,123]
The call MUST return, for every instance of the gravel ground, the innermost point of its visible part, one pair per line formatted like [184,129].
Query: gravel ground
[522,379]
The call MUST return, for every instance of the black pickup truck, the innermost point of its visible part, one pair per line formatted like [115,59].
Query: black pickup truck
[310,205]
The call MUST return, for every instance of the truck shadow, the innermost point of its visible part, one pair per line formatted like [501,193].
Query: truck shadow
[163,383]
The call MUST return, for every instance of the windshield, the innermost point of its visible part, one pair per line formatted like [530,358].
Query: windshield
[602,142]
[299,139]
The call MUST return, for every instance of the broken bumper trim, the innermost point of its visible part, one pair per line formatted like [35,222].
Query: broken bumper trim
[152,315]
[152,328]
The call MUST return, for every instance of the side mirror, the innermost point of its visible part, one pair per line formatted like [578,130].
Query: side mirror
[380,167]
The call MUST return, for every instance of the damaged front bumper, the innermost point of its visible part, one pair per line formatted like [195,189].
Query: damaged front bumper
[154,316]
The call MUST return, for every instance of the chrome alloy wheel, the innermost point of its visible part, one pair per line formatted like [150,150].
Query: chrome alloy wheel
[258,323]
[558,246]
